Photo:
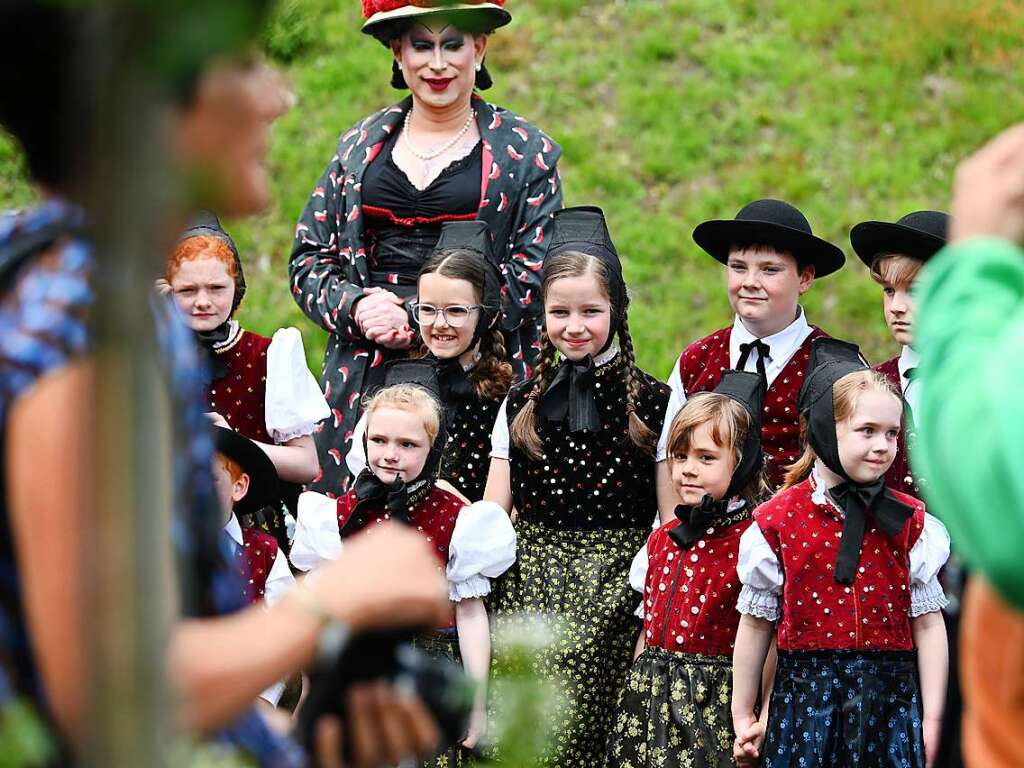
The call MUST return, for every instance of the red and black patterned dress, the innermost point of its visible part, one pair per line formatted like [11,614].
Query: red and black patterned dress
[342,247]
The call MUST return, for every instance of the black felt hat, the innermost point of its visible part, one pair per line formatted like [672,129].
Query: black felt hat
[921,235]
[747,389]
[773,223]
[207,223]
[420,371]
[263,484]
[475,237]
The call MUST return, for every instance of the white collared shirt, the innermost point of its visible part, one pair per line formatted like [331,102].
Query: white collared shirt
[782,346]
[911,389]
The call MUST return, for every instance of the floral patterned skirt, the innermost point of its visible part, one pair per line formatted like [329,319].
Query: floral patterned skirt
[576,581]
[843,708]
[674,712]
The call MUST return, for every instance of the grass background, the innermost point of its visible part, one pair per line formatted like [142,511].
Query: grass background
[671,112]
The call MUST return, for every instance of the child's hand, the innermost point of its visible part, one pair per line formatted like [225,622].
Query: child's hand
[162,287]
[932,732]
[746,750]
[477,728]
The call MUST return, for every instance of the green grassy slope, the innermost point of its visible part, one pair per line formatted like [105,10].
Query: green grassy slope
[673,111]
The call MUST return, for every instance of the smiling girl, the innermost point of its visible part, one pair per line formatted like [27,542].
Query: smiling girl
[844,571]
[458,311]
[573,454]
[674,708]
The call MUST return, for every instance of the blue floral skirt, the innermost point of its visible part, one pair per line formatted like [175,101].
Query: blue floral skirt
[844,708]
[674,712]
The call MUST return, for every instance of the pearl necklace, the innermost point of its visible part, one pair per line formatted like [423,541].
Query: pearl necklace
[442,150]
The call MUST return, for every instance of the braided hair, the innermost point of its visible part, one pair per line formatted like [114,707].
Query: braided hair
[523,429]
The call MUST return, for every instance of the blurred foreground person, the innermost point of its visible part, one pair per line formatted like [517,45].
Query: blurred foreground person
[971,431]
[47,373]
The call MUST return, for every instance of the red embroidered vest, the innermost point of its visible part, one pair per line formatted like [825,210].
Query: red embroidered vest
[434,517]
[260,554]
[690,595]
[899,477]
[818,613]
[240,395]
[700,368]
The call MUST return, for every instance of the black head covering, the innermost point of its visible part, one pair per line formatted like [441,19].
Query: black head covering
[263,483]
[571,392]
[207,223]
[400,496]
[921,235]
[584,229]
[475,237]
[748,390]
[831,360]
[774,223]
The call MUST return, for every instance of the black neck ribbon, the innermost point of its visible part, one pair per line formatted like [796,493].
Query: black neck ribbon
[371,494]
[694,520]
[453,382]
[858,500]
[571,395]
[763,350]
[207,341]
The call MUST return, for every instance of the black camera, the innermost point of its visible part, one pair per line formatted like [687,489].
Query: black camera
[344,659]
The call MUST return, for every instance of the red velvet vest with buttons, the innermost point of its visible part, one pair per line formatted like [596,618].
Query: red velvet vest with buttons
[700,368]
[899,477]
[240,395]
[434,517]
[690,595]
[819,613]
[260,554]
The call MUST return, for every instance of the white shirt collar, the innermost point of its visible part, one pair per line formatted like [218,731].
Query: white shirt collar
[607,356]
[783,345]
[234,332]
[908,359]
[820,493]
[234,530]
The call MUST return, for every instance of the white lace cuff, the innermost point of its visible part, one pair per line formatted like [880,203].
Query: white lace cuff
[927,598]
[474,586]
[483,547]
[760,603]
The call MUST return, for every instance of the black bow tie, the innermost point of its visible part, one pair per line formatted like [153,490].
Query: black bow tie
[858,501]
[694,520]
[571,394]
[763,350]
[371,491]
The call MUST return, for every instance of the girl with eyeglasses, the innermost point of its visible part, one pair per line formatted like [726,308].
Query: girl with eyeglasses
[458,312]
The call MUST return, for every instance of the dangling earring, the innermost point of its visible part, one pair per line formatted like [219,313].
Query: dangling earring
[479,64]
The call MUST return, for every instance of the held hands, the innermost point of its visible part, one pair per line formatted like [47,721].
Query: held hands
[746,750]
[382,319]
[988,194]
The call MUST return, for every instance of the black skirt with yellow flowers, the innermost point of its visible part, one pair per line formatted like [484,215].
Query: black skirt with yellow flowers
[674,712]
[576,582]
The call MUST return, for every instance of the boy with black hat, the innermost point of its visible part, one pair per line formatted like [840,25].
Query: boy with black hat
[895,253]
[771,258]
[245,481]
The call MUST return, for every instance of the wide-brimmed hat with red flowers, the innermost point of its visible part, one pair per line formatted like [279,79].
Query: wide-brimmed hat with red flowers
[386,19]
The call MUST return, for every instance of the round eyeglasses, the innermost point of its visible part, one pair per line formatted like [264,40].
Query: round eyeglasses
[454,316]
